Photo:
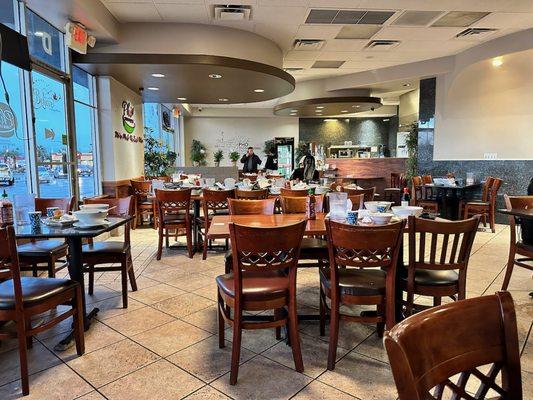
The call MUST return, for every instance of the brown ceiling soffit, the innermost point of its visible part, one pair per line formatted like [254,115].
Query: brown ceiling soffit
[328,100]
[169,59]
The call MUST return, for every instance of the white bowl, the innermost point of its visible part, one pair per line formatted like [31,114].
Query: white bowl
[373,205]
[90,217]
[406,211]
[381,218]
[94,207]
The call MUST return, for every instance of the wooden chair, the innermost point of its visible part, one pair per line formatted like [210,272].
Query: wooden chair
[368,193]
[247,207]
[298,205]
[116,253]
[21,298]
[419,196]
[358,201]
[142,191]
[362,270]
[485,208]
[214,202]
[484,198]
[263,278]
[173,212]
[394,192]
[435,273]
[293,192]
[517,246]
[251,194]
[426,351]
[34,254]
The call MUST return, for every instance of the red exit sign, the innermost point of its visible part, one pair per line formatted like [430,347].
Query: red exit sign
[76,37]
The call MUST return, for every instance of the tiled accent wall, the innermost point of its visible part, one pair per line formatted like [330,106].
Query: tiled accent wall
[515,173]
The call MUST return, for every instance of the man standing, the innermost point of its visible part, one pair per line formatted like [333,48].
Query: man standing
[250,161]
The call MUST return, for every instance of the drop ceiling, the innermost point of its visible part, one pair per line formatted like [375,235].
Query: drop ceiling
[425,29]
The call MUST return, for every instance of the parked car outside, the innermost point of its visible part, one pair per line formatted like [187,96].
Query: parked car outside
[44,175]
[6,175]
[85,170]
[59,173]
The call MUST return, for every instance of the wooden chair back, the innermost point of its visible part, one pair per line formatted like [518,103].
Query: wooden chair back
[64,204]
[516,202]
[417,191]
[427,179]
[141,189]
[298,205]
[118,207]
[429,348]
[216,200]
[248,207]
[363,246]
[368,193]
[9,264]
[358,200]
[293,192]
[251,194]
[173,202]
[493,191]
[486,188]
[396,180]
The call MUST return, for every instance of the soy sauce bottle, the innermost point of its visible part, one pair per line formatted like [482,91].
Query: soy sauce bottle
[406,198]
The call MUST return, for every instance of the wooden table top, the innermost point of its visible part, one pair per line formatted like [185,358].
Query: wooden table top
[518,212]
[218,229]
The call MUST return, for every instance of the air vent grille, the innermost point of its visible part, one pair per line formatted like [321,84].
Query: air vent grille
[348,17]
[308,44]
[232,12]
[475,32]
[416,18]
[382,45]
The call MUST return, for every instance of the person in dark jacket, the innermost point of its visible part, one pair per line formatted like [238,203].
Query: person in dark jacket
[307,172]
[250,161]
[527,223]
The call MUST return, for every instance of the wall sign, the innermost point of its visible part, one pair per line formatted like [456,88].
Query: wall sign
[8,121]
[128,123]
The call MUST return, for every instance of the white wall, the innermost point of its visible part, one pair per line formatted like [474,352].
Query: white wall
[121,158]
[408,108]
[236,133]
[485,109]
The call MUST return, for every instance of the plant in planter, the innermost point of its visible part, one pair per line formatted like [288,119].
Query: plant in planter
[234,157]
[412,150]
[270,147]
[217,157]
[159,160]
[198,153]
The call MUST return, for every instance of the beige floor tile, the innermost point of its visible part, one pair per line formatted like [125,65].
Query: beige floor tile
[350,333]
[62,327]
[160,380]
[205,319]
[207,393]
[92,396]
[205,360]
[169,338]
[142,283]
[192,282]
[256,340]
[261,378]
[138,321]
[112,362]
[373,347]
[112,307]
[101,292]
[362,377]
[57,383]
[39,359]
[318,390]
[156,293]
[314,354]
[183,305]
[209,292]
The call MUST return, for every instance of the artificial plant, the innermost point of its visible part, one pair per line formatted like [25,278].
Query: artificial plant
[159,160]
[198,153]
[217,157]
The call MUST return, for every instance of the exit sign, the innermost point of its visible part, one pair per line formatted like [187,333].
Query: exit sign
[76,37]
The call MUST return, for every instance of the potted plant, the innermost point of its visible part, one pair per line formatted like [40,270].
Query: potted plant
[198,153]
[270,147]
[159,160]
[234,157]
[217,157]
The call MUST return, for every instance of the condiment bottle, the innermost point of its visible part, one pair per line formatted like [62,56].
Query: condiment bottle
[6,210]
[310,209]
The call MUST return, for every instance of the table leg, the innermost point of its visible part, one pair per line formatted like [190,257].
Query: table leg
[75,269]
[196,214]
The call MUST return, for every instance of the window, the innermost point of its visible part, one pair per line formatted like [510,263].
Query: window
[45,42]
[85,125]
[159,123]
[7,14]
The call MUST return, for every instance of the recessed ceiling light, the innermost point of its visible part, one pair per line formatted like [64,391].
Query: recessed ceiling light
[386,119]
[158,75]
[294,110]
[344,111]
[406,84]
[153,88]
[356,106]
[182,98]
[223,99]
[215,76]
[497,62]
[319,107]
[259,90]
[330,120]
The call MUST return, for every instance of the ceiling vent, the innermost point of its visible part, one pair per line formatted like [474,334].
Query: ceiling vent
[327,64]
[459,19]
[232,12]
[416,18]
[475,33]
[348,17]
[308,44]
[382,45]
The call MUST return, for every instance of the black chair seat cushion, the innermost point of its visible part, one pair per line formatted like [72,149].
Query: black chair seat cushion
[34,290]
[314,248]
[430,277]
[256,285]
[41,248]
[176,218]
[105,247]
[357,282]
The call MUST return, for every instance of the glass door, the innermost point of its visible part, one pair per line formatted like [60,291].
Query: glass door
[51,136]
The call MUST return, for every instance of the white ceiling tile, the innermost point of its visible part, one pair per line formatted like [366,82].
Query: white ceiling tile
[417,33]
[283,3]
[346,4]
[134,12]
[297,64]
[345,45]
[184,13]
[446,47]
[334,55]
[282,35]
[506,20]
[317,31]
[242,25]
[240,2]
[197,2]
[279,15]
[301,55]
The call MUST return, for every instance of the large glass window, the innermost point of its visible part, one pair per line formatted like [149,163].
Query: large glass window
[84,114]
[13,141]
[159,124]
[7,13]
[45,42]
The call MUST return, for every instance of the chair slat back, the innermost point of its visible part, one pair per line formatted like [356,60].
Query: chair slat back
[141,189]
[248,207]
[251,194]
[293,192]
[216,200]
[265,249]
[368,193]
[493,191]
[427,349]
[296,205]
[9,263]
[396,180]
[118,207]
[449,242]
[427,179]
[363,246]
[417,188]
[173,201]
[486,188]
[64,204]
[358,200]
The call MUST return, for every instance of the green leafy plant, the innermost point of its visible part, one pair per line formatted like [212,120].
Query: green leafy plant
[234,156]
[270,147]
[218,156]
[198,152]
[159,160]
[412,151]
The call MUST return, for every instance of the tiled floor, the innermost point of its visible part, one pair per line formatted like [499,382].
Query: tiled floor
[164,346]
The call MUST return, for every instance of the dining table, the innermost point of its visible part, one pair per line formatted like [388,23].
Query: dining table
[451,196]
[74,237]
